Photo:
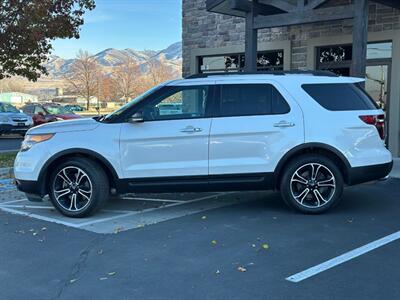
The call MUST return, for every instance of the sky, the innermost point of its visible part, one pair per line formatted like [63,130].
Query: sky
[121,24]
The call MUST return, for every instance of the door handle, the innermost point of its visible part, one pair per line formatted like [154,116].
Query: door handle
[191,129]
[284,124]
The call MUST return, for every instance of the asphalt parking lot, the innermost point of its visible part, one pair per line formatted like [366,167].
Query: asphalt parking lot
[204,246]
[10,143]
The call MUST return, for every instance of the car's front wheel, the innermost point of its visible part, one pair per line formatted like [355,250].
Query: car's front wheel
[312,184]
[78,187]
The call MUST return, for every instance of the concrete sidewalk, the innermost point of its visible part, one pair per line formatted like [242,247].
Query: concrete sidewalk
[396,168]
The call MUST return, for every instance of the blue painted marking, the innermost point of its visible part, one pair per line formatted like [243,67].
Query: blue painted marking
[7,185]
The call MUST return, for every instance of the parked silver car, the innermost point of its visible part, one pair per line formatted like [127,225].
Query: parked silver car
[13,121]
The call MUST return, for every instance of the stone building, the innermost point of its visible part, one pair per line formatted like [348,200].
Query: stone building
[214,42]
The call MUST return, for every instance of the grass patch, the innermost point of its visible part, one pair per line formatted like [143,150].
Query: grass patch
[7,159]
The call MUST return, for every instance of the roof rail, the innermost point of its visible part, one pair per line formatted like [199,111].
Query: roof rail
[279,73]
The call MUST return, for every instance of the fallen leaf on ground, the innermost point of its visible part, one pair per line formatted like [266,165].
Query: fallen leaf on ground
[265,246]
[214,242]
[242,269]
[218,272]
[103,278]
[118,229]
[111,273]
[73,280]
[35,233]
[44,229]
[253,245]
[204,217]
[100,252]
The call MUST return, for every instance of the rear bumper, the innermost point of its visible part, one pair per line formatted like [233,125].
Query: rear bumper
[369,173]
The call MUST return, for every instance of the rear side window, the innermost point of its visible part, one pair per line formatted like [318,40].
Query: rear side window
[251,99]
[340,96]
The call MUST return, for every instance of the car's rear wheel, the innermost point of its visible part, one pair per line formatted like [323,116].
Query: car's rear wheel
[312,184]
[78,187]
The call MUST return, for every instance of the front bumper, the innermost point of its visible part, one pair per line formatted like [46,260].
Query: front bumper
[369,173]
[30,187]
[9,128]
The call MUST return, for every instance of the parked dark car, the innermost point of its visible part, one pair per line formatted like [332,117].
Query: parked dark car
[49,112]
[13,121]
[74,107]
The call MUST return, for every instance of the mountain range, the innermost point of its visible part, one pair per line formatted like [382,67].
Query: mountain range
[110,58]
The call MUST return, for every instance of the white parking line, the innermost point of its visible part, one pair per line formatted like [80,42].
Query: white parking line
[152,199]
[343,258]
[28,214]
[13,201]
[15,209]
[27,206]
[106,219]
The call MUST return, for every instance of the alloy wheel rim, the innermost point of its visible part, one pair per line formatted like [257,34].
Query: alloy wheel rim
[72,189]
[313,185]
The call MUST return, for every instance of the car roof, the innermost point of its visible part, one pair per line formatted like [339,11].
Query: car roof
[283,78]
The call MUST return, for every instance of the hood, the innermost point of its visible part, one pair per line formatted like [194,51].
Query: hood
[81,124]
[68,116]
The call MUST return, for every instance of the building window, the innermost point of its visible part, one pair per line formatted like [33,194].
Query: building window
[379,50]
[338,58]
[266,61]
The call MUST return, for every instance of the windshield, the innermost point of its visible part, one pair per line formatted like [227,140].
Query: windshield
[127,106]
[56,110]
[8,108]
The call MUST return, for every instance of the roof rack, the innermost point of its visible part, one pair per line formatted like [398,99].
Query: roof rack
[278,73]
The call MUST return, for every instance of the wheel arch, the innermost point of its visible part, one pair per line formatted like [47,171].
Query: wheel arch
[76,152]
[315,148]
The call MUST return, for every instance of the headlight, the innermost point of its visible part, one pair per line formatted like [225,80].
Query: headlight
[59,119]
[32,139]
[4,119]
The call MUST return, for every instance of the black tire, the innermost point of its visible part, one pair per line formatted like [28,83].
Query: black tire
[33,198]
[324,191]
[94,179]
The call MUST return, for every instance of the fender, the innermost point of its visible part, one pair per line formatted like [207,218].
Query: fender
[311,146]
[86,152]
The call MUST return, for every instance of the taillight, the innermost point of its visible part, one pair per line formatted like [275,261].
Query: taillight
[378,121]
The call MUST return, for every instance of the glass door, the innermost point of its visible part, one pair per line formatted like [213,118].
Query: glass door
[377,84]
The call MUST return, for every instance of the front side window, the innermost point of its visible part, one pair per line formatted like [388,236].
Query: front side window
[251,99]
[56,109]
[177,103]
[39,109]
[340,96]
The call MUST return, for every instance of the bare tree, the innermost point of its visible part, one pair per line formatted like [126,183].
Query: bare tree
[107,89]
[158,72]
[126,78]
[84,75]
[12,85]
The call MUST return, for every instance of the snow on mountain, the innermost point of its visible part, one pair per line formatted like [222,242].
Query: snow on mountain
[109,58]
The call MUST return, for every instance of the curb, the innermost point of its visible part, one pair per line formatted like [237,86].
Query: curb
[6,173]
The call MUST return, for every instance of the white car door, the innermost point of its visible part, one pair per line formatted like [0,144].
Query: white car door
[169,142]
[257,124]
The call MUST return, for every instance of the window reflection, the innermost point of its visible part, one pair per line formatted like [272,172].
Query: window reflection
[266,61]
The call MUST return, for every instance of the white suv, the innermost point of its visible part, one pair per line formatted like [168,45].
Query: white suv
[306,135]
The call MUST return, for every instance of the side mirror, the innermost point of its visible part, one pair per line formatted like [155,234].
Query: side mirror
[136,118]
